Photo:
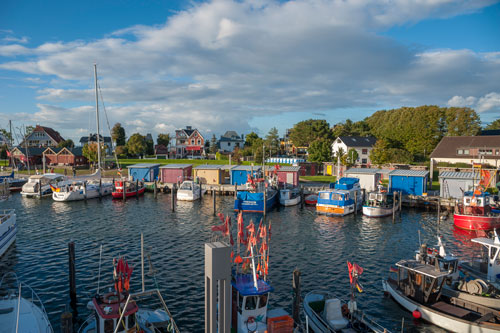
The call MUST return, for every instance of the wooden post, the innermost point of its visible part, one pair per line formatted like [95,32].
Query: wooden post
[302,199]
[213,197]
[155,189]
[235,190]
[200,188]
[85,190]
[400,201]
[356,203]
[265,201]
[296,296]
[66,322]
[72,276]
[439,210]
[172,201]
[137,188]
[40,188]
[394,195]
[124,188]
[100,188]
[114,189]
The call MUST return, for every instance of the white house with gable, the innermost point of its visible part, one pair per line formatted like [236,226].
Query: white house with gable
[362,144]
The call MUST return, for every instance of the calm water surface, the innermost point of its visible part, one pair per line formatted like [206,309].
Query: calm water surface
[319,246]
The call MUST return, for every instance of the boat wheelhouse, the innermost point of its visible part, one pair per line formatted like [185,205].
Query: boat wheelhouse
[8,229]
[474,212]
[189,191]
[344,198]
[259,198]
[290,196]
[131,189]
[380,203]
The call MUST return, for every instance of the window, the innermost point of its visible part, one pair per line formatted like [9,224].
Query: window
[192,141]
[108,326]
[460,152]
[199,141]
[324,195]
[263,301]
[251,303]
[364,151]
[229,144]
[466,151]
[364,161]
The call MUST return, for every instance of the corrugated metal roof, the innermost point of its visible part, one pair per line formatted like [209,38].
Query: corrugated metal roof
[384,171]
[410,173]
[456,175]
[227,167]
[246,168]
[175,166]
[363,170]
[287,168]
[209,166]
[144,165]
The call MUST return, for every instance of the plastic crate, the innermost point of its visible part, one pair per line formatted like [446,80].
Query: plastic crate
[281,324]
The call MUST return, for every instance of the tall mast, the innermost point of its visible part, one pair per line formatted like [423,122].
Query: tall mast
[97,119]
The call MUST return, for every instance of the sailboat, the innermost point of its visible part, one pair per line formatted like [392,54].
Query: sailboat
[91,186]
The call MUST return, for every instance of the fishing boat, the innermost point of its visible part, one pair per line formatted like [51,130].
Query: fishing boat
[90,186]
[132,189]
[21,310]
[41,185]
[343,198]
[311,199]
[380,203]
[290,197]
[475,212]
[189,191]
[261,195]
[8,229]
[326,313]
[119,311]
[418,287]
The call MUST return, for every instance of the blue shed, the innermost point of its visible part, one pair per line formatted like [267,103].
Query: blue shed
[144,171]
[408,181]
[239,174]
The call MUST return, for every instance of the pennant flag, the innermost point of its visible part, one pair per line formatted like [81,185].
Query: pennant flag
[393,269]
[359,287]
[238,259]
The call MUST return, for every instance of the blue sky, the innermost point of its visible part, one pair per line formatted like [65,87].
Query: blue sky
[244,65]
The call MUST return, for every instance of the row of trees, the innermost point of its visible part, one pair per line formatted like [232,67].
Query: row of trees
[137,144]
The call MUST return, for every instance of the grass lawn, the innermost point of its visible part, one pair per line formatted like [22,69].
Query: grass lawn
[126,162]
[320,179]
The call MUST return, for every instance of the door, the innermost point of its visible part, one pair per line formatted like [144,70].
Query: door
[289,179]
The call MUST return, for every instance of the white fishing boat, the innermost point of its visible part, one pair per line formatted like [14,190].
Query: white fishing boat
[8,229]
[189,191]
[418,288]
[290,197]
[40,185]
[21,310]
[380,203]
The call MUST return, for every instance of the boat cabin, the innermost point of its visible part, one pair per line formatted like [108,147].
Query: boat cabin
[108,309]
[249,303]
[492,269]
[340,198]
[475,204]
[439,259]
[380,198]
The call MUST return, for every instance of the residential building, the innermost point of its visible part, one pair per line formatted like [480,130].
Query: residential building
[92,138]
[189,142]
[64,156]
[21,155]
[42,137]
[362,144]
[229,141]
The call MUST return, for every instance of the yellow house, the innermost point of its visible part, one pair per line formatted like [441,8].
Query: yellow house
[212,174]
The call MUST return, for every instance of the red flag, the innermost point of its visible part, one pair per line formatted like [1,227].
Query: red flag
[269,231]
[220,228]
[238,259]
[349,266]
[358,269]
[259,230]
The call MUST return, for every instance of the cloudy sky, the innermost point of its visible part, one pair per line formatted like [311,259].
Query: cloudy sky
[242,65]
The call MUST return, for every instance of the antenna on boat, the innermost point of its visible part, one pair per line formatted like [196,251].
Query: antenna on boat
[97,118]
[142,260]
[99,275]
[419,241]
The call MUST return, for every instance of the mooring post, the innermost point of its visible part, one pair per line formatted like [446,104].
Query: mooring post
[66,322]
[265,202]
[39,189]
[356,203]
[394,195]
[114,189]
[100,188]
[137,188]
[439,210]
[124,189]
[235,190]
[172,201]
[200,188]
[85,190]
[302,199]
[155,189]
[213,198]
[400,201]
[72,274]
[296,296]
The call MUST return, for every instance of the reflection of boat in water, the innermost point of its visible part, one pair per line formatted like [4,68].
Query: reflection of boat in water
[344,198]
[8,229]
[189,191]
[380,203]
[21,310]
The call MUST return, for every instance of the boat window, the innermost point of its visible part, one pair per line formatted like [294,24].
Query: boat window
[131,321]
[240,302]
[380,197]
[108,326]
[263,301]
[186,186]
[337,196]
[467,201]
[479,201]
[346,196]
[121,326]
[372,196]
[486,201]
[251,303]
[325,195]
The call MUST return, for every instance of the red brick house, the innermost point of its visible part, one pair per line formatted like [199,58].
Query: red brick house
[64,156]
[189,142]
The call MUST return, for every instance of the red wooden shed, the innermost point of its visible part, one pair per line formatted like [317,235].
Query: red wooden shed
[175,173]
[288,175]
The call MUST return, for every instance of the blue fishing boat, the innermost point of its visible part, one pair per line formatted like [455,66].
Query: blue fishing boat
[253,200]
[341,198]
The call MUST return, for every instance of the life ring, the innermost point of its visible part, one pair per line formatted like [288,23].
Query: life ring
[111,298]
[251,320]
[418,279]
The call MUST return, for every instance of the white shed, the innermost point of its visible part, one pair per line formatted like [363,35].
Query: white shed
[454,184]
[368,178]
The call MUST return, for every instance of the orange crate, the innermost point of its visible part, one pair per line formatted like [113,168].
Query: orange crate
[281,324]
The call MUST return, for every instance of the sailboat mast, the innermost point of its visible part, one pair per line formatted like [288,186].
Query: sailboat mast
[97,119]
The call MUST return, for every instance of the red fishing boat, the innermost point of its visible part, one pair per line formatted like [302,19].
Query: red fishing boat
[474,212]
[311,199]
[132,189]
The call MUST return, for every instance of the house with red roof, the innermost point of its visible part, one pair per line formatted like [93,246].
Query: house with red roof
[189,142]
[42,137]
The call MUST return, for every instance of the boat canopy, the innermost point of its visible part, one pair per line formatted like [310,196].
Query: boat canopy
[250,196]
[345,183]
[244,283]
[422,268]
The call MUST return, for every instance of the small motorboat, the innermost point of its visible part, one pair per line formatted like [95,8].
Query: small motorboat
[189,191]
[8,229]
[14,184]
[311,199]
[343,198]
[41,185]
[81,190]
[131,190]
[21,310]
[380,203]
[290,197]
[253,199]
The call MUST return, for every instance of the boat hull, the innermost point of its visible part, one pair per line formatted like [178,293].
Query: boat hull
[80,195]
[437,318]
[8,231]
[256,206]
[474,222]
[290,202]
[377,211]
[333,210]
[311,200]
[129,194]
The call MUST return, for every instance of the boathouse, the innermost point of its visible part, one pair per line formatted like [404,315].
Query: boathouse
[368,178]
[408,181]
[143,172]
[175,173]
[287,175]
[240,173]
[210,174]
[454,184]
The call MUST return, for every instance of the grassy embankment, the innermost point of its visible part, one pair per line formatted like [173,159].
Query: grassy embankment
[319,179]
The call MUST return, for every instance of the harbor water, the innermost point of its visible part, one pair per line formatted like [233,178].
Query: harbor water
[317,245]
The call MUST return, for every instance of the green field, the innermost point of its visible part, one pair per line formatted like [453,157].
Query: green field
[127,162]
[319,179]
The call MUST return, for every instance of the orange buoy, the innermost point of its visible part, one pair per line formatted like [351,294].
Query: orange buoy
[416,314]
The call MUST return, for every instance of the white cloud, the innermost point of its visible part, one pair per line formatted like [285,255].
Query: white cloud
[217,65]
[487,103]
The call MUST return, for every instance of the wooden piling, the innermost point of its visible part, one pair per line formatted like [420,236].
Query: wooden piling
[400,201]
[124,187]
[137,188]
[100,188]
[200,187]
[172,201]
[302,199]
[155,189]
[39,189]
[356,203]
[439,210]
[114,189]
[213,198]
[72,274]
[85,190]
[235,190]
[265,202]
[394,195]
[66,322]
[296,296]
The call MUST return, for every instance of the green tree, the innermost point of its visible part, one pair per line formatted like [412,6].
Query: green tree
[305,132]
[250,139]
[352,157]
[340,153]
[118,134]
[378,155]
[3,152]
[7,135]
[163,139]
[462,122]
[29,130]
[213,144]
[320,151]
[90,151]
[136,145]
[348,128]
[494,125]
[150,146]
[236,156]
[272,141]
[121,151]
[66,144]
